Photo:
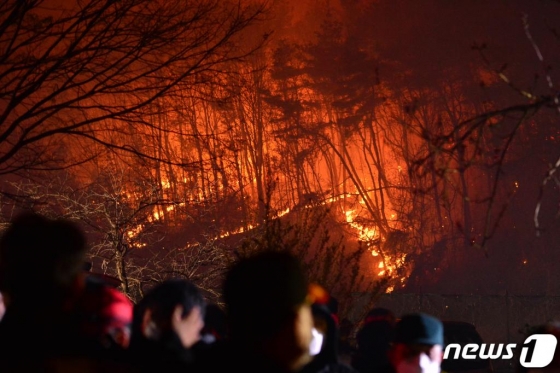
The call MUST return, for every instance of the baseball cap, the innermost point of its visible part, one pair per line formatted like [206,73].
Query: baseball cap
[419,328]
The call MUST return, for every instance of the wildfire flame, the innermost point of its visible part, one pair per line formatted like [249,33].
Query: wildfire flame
[389,264]
[385,267]
[364,233]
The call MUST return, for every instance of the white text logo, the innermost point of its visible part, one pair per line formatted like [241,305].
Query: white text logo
[536,352]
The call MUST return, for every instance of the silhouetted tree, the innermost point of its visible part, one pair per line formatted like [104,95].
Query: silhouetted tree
[83,70]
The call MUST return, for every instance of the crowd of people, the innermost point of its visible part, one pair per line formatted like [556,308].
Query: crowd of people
[58,319]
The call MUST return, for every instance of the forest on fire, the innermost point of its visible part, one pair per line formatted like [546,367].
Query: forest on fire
[181,134]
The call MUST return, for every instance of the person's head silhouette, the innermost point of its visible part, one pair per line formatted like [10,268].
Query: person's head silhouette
[40,256]
[418,344]
[268,308]
[173,308]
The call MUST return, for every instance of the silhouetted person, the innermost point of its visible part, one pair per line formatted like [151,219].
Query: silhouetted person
[215,326]
[418,344]
[269,317]
[42,280]
[167,323]
[40,266]
[215,322]
[373,342]
[346,348]
[324,346]
[105,317]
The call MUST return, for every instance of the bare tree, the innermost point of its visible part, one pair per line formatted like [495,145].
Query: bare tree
[492,137]
[89,68]
[124,212]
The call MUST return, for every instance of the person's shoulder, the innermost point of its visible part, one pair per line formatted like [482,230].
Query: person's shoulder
[214,357]
[346,368]
[342,367]
[66,364]
[339,367]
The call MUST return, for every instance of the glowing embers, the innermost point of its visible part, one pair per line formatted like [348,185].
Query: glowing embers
[388,265]
[282,213]
[364,233]
[132,233]
[159,214]
[237,231]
